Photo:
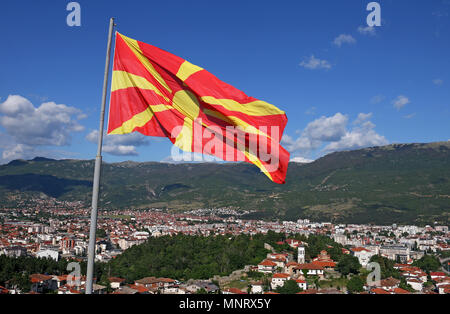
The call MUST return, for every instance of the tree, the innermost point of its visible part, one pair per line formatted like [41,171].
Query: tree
[403,285]
[386,266]
[100,233]
[109,289]
[348,264]
[22,282]
[104,280]
[255,274]
[189,257]
[266,284]
[428,263]
[305,273]
[428,284]
[289,287]
[355,284]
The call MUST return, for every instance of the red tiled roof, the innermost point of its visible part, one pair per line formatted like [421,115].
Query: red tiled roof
[413,280]
[308,291]
[400,265]
[116,279]
[309,266]
[167,280]
[401,291]
[441,280]
[389,282]
[147,280]
[139,289]
[379,291]
[62,277]
[359,249]
[267,263]
[324,264]
[407,268]
[73,291]
[437,274]
[235,291]
[281,276]
[35,278]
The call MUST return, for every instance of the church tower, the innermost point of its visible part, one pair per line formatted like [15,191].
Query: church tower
[301,255]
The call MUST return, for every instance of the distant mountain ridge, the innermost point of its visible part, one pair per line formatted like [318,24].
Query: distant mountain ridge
[399,183]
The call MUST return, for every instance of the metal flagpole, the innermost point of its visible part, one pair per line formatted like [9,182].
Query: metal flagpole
[98,164]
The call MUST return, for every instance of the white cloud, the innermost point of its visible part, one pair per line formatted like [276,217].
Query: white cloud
[327,129]
[48,124]
[377,99]
[15,105]
[180,157]
[368,30]
[314,63]
[11,151]
[438,82]
[400,102]
[82,116]
[332,134]
[344,39]
[311,111]
[362,117]
[120,145]
[302,143]
[28,127]
[357,139]
[409,116]
[324,129]
[301,160]
[19,151]
[362,135]
[121,150]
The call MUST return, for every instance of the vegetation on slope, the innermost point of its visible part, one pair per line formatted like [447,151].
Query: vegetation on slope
[407,183]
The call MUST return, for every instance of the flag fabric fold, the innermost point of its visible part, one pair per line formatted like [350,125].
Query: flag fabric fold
[159,94]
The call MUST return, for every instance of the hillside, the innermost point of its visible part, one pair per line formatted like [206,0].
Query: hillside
[402,183]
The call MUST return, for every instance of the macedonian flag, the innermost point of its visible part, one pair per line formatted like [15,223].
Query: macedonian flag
[159,94]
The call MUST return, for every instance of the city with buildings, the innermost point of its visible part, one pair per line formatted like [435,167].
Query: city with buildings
[60,230]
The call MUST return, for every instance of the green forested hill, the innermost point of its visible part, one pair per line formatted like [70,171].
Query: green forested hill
[198,257]
[407,183]
[189,257]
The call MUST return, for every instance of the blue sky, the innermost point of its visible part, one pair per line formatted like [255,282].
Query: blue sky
[342,85]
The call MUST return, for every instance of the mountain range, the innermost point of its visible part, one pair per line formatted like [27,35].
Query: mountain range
[399,183]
